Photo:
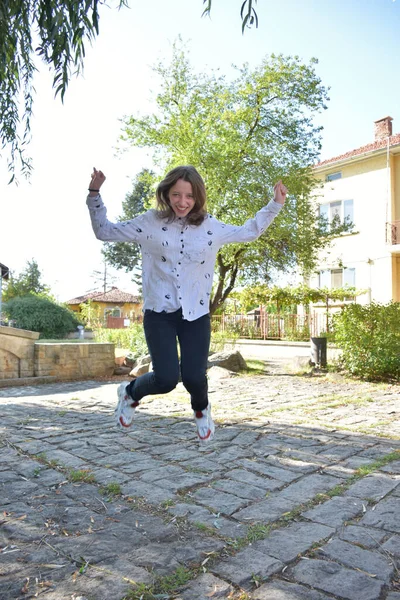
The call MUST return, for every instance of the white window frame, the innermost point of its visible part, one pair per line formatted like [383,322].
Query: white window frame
[334,176]
[325,210]
[325,277]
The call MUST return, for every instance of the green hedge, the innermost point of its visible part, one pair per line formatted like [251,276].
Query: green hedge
[369,337]
[37,313]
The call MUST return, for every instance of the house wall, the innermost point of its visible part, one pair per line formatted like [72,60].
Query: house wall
[366,182]
[127,309]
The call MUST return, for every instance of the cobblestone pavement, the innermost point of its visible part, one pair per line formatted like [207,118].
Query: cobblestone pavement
[298,497]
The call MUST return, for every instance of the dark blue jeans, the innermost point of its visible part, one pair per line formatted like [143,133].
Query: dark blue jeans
[162,330]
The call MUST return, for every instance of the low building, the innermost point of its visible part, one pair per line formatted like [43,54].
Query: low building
[115,308]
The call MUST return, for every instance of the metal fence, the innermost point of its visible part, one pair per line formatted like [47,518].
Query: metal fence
[271,326]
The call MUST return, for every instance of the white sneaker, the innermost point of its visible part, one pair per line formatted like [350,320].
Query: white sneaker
[125,408]
[205,424]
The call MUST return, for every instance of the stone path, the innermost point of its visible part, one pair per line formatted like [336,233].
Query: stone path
[298,497]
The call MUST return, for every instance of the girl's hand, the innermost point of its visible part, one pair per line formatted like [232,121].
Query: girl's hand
[280,192]
[97,180]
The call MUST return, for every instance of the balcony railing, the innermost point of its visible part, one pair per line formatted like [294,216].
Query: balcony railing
[393,233]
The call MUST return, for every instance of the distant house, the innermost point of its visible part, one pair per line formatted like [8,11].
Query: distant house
[117,308]
[363,185]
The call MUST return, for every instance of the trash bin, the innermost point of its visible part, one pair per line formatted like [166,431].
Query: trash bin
[318,351]
[81,332]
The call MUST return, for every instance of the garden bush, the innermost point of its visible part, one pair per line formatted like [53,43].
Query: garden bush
[369,337]
[132,338]
[37,313]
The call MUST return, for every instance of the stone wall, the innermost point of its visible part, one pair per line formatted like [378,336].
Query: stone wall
[17,352]
[74,361]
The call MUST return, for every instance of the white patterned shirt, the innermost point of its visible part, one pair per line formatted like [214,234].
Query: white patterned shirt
[178,259]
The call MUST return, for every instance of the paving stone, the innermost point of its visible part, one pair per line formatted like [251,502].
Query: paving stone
[247,477]
[243,490]
[392,545]
[297,466]
[284,590]
[377,451]
[340,451]
[259,466]
[10,492]
[221,502]
[266,511]
[309,486]
[206,586]
[364,536]
[336,511]
[153,494]
[287,543]
[393,467]
[375,486]
[384,515]
[354,557]
[201,516]
[332,578]
[161,473]
[247,564]
[180,482]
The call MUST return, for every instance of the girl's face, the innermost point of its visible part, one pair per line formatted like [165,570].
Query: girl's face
[181,198]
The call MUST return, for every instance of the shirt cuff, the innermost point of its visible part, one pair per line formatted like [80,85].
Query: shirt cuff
[274,207]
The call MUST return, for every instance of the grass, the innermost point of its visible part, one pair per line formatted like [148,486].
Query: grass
[163,587]
[111,489]
[254,367]
[83,475]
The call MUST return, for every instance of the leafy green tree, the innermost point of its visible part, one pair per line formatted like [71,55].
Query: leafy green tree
[123,255]
[36,313]
[56,31]
[243,136]
[29,281]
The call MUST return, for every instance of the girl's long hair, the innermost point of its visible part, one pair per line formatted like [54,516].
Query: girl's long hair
[190,174]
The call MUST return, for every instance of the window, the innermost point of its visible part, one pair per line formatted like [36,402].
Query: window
[340,211]
[337,278]
[113,312]
[333,176]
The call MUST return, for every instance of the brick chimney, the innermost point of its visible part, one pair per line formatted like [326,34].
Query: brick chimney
[383,128]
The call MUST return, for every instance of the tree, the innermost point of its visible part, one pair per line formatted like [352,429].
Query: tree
[36,313]
[247,13]
[28,282]
[61,28]
[244,135]
[123,255]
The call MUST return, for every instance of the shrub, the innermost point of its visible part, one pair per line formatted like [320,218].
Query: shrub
[369,337]
[37,313]
[130,338]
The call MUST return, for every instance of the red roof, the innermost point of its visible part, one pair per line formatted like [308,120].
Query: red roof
[394,140]
[112,296]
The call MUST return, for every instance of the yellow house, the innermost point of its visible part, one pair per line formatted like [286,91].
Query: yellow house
[364,186]
[116,308]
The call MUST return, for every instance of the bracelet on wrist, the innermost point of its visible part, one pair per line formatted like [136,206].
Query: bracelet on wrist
[92,190]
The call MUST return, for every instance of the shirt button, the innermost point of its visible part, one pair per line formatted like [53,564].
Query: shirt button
[179,263]
[177,275]
[180,298]
[181,251]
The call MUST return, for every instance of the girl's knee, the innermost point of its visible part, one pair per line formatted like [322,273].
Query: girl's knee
[166,385]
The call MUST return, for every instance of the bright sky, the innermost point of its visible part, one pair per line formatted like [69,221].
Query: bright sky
[357,43]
